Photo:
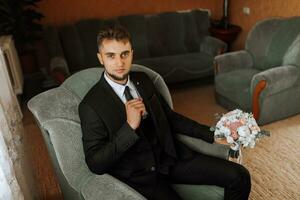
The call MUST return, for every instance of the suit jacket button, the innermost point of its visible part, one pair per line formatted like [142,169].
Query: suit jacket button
[152,169]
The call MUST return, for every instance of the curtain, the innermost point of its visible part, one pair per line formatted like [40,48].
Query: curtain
[10,137]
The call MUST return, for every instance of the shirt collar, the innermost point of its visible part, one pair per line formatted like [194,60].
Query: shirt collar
[119,88]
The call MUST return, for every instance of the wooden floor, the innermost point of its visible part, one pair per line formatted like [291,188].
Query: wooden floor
[47,184]
[273,164]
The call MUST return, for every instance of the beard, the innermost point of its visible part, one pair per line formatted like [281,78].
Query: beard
[118,78]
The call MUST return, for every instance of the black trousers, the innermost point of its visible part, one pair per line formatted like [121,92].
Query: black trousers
[201,170]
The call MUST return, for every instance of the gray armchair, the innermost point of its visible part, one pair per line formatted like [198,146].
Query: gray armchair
[57,116]
[265,77]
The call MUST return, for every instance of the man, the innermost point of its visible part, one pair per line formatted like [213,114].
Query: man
[128,132]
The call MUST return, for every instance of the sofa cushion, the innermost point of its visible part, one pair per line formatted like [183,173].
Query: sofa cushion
[192,39]
[173,32]
[182,67]
[156,43]
[88,40]
[72,47]
[136,26]
[202,21]
[235,86]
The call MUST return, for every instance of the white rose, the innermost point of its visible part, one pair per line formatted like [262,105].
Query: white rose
[243,131]
[229,139]
[235,147]
[252,144]
[225,131]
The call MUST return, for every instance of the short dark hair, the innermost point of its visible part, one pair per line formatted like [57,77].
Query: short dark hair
[115,32]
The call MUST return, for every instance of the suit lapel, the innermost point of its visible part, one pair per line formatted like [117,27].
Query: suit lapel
[143,91]
[146,93]
[115,113]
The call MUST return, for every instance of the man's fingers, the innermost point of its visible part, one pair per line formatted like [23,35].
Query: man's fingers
[137,105]
[134,103]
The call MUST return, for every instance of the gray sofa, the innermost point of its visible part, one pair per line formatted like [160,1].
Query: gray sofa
[56,112]
[176,45]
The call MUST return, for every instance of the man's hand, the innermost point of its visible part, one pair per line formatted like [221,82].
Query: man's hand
[135,108]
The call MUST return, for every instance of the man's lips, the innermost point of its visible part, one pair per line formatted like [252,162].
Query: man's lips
[120,70]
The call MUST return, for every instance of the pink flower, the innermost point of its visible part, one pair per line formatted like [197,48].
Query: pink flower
[233,128]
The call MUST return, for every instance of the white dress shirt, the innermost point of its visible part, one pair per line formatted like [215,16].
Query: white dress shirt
[119,88]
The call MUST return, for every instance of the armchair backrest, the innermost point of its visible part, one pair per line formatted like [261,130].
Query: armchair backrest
[56,112]
[271,40]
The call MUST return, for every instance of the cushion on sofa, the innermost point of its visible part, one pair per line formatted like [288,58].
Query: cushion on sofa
[192,39]
[136,26]
[202,21]
[175,68]
[88,40]
[173,32]
[155,39]
[73,49]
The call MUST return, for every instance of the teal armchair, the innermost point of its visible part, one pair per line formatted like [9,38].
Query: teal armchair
[264,78]
[56,113]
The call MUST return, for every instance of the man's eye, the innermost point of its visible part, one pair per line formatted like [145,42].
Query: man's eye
[125,55]
[110,55]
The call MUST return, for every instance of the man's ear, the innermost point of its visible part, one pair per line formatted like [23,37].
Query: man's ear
[100,58]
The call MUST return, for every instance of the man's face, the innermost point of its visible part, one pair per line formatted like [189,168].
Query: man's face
[116,56]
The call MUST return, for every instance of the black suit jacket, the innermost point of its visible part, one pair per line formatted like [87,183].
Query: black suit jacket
[107,135]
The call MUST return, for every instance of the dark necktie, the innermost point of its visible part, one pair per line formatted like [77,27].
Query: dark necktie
[127,94]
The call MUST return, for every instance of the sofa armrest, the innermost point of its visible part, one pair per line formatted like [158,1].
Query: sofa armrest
[231,61]
[200,146]
[213,46]
[276,79]
[103,187]
[59,69]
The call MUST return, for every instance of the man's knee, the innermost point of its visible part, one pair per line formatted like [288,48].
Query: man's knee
[241,176]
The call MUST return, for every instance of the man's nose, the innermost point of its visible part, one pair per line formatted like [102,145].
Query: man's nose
[119,61]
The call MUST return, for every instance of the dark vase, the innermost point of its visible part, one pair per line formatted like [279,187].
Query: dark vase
[224,23]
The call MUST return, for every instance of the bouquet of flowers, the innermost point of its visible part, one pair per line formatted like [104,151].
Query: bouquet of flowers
[239,128]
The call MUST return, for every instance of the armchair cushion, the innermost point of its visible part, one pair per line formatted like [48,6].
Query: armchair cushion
[281,41]
[292,56]
[233,61]
[235,86]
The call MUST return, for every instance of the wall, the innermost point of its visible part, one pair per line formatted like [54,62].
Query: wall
[64,11]
[259,9]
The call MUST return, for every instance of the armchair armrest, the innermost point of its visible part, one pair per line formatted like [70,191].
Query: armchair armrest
[271,81]
[103,187]
[213,46]
[277,79]
[231,61]
[200,146]
[59,69]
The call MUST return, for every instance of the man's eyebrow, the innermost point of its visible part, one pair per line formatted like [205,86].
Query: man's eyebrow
[109,53]
[112,53]
[126,51]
